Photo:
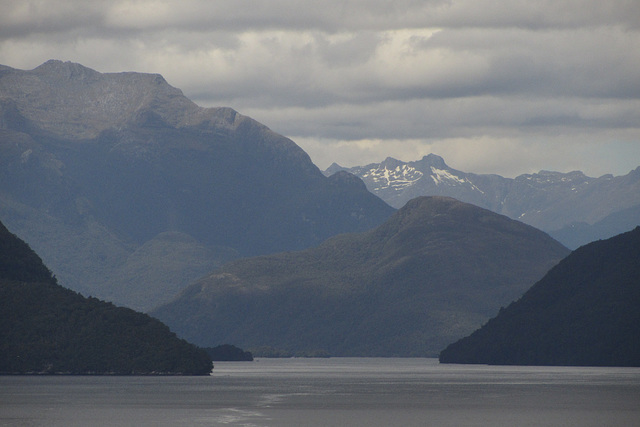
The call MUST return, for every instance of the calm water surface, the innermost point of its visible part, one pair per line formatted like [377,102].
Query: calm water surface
[332,392]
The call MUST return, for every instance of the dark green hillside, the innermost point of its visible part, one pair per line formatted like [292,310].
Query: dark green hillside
[229,353]
[431,274]
[583,312]
[45,328]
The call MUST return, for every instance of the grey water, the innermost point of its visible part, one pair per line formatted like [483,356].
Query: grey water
[332,392]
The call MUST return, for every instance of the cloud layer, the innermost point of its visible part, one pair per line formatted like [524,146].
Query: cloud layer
[494,86]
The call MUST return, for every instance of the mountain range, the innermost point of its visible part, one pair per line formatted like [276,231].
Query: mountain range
[129,191]
[47,329]
[431,274]
[132,193]
[584,311]
[571,207]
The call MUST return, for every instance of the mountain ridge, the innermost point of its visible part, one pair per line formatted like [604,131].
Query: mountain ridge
[550,201]
[96,165]
[433,270]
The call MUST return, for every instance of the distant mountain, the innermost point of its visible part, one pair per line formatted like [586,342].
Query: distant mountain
[96,168]
[434,272]
[550,201]
[45,328]
[580,233]
[583,312]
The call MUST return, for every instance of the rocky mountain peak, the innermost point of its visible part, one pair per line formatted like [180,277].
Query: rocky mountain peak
[344,178]
[435,161]
[69,70]
[333,168]
[390,163]
[71,100]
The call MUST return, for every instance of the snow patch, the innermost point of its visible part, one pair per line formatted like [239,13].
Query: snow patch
[441,176]
[397,178]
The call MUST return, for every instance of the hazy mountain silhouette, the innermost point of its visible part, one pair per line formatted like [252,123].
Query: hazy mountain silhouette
[580,233]
[96,168]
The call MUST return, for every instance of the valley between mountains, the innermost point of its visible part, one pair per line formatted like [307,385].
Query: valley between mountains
[434,271]
[229,234]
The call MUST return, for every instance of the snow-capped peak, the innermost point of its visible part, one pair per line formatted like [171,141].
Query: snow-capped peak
[398,177]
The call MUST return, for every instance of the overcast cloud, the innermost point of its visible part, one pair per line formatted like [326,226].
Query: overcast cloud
[501,86]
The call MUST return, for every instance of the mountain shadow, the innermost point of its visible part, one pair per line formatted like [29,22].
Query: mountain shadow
[434,272]
[47,329]
[584,312]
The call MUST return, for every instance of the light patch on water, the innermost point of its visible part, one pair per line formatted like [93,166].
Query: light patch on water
[233,416]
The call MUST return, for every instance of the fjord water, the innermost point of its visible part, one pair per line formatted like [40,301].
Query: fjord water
[332,392]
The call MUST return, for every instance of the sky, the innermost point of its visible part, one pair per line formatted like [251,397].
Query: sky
[493,86]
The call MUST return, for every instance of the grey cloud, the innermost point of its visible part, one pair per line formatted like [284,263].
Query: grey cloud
[114,17]
[329,16]
[339,15]
[350,49]
[510,117]
[24,18]
[582,63]
[537,15]
[586,62]
[408,74]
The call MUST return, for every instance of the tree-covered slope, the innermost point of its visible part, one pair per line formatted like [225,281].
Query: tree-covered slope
[431,274]
[45,328]
[583,312]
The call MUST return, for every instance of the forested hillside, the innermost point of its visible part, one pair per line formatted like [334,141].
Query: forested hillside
[434,272]
[47,329]
[583,312]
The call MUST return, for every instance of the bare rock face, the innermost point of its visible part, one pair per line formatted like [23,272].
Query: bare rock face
[75,102]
